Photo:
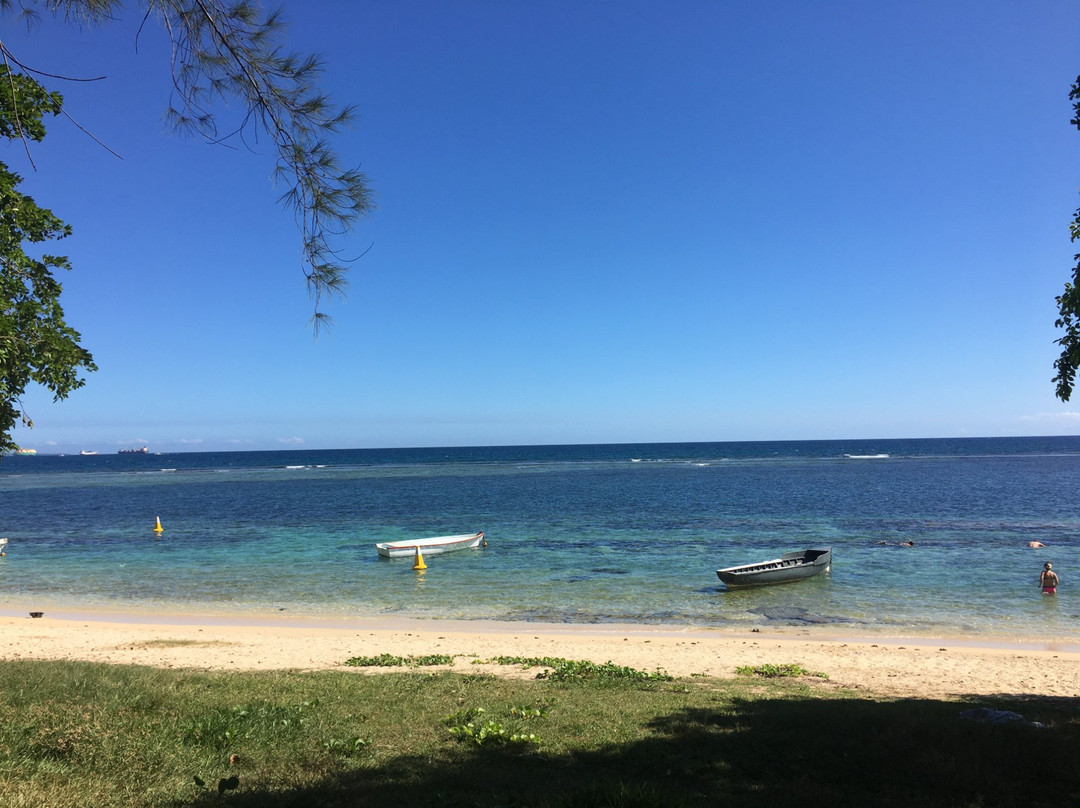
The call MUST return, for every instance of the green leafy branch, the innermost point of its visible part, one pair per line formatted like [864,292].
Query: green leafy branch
[223,51]
[36,343]
[1069,301]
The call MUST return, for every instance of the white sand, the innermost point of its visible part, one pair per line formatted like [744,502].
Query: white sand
[889,667]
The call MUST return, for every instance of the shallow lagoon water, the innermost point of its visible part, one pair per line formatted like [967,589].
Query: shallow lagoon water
[576,534]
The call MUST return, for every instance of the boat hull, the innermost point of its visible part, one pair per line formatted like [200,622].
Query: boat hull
[431,546]
[795,566]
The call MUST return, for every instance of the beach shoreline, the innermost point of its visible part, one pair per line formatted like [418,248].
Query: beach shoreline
[283,619]
[890,666]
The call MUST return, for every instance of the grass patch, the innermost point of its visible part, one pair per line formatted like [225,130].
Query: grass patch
[771,671]
[569,670]
[474,725]
[391,661]
[79,734]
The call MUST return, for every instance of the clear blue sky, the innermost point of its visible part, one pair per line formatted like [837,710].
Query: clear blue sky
[597,222]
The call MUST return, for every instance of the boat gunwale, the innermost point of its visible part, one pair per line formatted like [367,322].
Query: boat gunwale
[456,538]
[430,544]
[745,574]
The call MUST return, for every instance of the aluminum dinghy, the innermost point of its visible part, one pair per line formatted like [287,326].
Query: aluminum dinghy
[789,567]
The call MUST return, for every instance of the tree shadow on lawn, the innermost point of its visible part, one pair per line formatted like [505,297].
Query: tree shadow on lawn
[800,751]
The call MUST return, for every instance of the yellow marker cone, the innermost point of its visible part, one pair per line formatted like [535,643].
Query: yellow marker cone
[157,527]
[419,563]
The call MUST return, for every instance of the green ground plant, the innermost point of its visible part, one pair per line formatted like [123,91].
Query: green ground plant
[770,670]
[570,670]
[475,726]
[81,734]
[391,661]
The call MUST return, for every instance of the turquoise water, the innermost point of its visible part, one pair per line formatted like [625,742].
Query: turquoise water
[576,534]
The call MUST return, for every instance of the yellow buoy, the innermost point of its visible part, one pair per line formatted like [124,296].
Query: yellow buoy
[419,563]
[157,527]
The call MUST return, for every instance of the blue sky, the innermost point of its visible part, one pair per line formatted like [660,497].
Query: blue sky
[596,222]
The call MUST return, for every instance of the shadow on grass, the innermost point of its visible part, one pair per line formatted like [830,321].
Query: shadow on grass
[769,752]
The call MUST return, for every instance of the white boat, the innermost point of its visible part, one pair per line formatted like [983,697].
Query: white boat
[3,546]
[432,546]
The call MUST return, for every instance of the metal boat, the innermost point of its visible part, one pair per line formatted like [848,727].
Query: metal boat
[789,567]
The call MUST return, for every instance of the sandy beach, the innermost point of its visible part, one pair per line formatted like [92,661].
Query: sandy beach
[897,667]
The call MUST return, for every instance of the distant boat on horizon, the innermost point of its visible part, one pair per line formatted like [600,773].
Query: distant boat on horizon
[26,451]
[86,453]
[141,450]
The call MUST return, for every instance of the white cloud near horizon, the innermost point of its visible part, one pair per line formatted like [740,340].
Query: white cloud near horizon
[1069,417]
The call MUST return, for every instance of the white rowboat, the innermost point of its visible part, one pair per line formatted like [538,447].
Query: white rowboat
[432,546]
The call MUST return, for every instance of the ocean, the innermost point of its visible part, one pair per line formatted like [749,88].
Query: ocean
[630,533]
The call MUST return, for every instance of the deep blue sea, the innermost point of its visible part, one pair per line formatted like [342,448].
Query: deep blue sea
[576,534]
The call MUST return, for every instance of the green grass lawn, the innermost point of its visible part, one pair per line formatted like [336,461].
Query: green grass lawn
[81,734]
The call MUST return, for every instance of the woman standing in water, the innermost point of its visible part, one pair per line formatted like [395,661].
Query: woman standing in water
[1048,580]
